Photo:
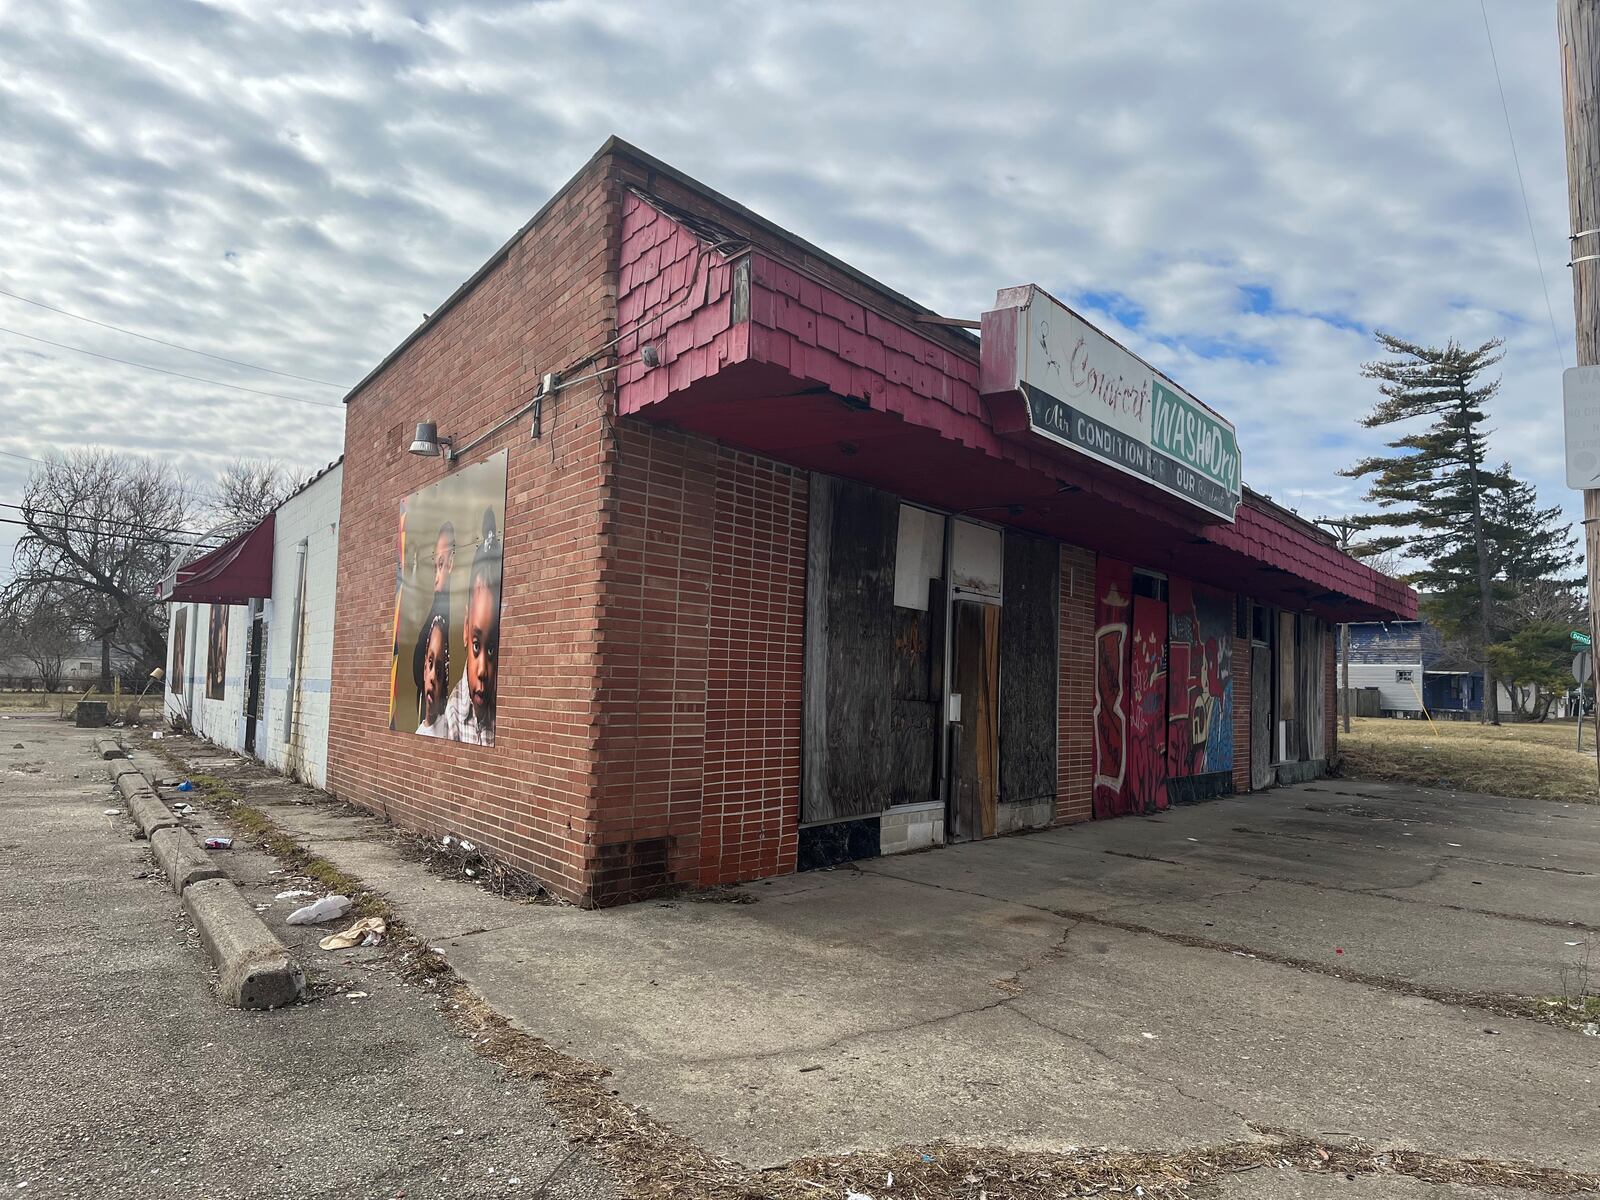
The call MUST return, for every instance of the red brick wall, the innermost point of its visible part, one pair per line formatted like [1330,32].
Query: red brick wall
[749,823]
[1075,702]
[1241,711]
[700,685]
[547,303]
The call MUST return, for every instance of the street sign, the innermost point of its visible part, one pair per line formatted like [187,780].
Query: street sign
[1582,666]
[1580,408]
[1579,640]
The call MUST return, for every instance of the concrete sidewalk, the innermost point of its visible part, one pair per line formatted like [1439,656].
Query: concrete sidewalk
[976,994]
[121,1074]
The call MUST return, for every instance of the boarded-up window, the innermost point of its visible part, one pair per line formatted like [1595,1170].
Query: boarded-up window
[976,552]
[1311,677]
[1286,666]
[1029,660]
[918,631]
[919,555]
[849,669]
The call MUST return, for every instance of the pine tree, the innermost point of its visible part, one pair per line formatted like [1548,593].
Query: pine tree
[1531,544]
[1435,491]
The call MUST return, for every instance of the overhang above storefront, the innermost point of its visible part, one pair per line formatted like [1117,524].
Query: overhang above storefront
[236,572]
[761,353]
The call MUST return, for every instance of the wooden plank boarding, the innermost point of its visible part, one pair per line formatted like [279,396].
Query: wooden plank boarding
[1029,668]
[849,668]
[1261,733]
[914,750]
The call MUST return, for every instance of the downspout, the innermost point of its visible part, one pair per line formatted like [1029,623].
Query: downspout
[296,641]
[946,784]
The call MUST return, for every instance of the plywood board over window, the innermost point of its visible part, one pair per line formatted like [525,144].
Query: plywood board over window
[849,667]
[918,656]
[1029,662]
[1309,680]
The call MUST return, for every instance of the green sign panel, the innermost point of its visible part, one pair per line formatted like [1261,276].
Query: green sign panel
[1580,639]
[1194,437]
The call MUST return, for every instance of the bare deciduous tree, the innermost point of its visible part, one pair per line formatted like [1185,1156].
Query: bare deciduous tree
[100,532]
[248,489]
[39,631]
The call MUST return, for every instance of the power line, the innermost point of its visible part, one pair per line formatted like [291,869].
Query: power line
[173,345]
[67,516]
[125,537]
[1561,350]
[24,457]
[178,374]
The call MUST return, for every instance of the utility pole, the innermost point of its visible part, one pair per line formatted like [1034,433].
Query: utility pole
[1343,528]
[1578,27]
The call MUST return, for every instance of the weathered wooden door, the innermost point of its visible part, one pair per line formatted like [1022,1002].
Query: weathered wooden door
[1147,707]
[975,677]
[1261,752]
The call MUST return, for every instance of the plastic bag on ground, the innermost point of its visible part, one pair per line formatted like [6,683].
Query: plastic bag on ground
[368,931]
[329,908]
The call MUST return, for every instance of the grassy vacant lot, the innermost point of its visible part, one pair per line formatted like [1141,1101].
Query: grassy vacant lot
[1506,760]
[29,701]
[62,702]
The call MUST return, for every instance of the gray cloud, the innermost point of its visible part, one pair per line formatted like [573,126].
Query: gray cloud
[294,183]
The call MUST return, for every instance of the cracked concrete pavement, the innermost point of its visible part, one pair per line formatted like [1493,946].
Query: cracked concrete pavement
[974,993]
[121,1074]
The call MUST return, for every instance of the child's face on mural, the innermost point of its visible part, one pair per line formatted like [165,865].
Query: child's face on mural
[483,646]
[434,681]
[444,561]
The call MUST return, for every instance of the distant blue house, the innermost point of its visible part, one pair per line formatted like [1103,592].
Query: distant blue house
[1408,665]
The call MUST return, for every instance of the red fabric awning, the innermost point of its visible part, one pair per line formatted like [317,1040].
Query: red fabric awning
[234,573]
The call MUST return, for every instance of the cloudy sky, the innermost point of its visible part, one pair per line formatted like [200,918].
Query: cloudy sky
[1241,191]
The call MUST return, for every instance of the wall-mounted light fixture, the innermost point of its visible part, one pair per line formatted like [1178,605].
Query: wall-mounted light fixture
[429,444]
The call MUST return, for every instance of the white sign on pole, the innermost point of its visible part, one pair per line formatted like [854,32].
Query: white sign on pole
[1580,408]
[1582,666]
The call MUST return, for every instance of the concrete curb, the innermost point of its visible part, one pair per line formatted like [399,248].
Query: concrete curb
[145,806]
[182,858]
[255,970]
[109,748]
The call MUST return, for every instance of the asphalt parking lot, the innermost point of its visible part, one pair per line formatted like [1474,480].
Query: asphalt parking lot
[1354,963]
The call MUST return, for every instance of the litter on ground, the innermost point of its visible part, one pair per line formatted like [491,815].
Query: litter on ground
[368,931]
[329,908]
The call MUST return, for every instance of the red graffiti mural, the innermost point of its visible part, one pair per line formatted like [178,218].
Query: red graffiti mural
[1113,601]
[1146,787]
[1200,690]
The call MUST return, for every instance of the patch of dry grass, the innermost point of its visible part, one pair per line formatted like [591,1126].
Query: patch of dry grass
[29,701]
[1533,761]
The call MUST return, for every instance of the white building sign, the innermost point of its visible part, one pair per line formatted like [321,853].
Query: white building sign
[1084,391]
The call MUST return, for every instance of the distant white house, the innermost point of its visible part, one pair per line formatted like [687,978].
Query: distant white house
[80,668]
[1407,664]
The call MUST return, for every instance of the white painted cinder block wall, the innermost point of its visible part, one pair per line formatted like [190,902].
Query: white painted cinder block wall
[222,721]
[297,744]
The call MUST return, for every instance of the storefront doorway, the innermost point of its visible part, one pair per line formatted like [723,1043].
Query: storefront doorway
[932,668]
[974,769]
